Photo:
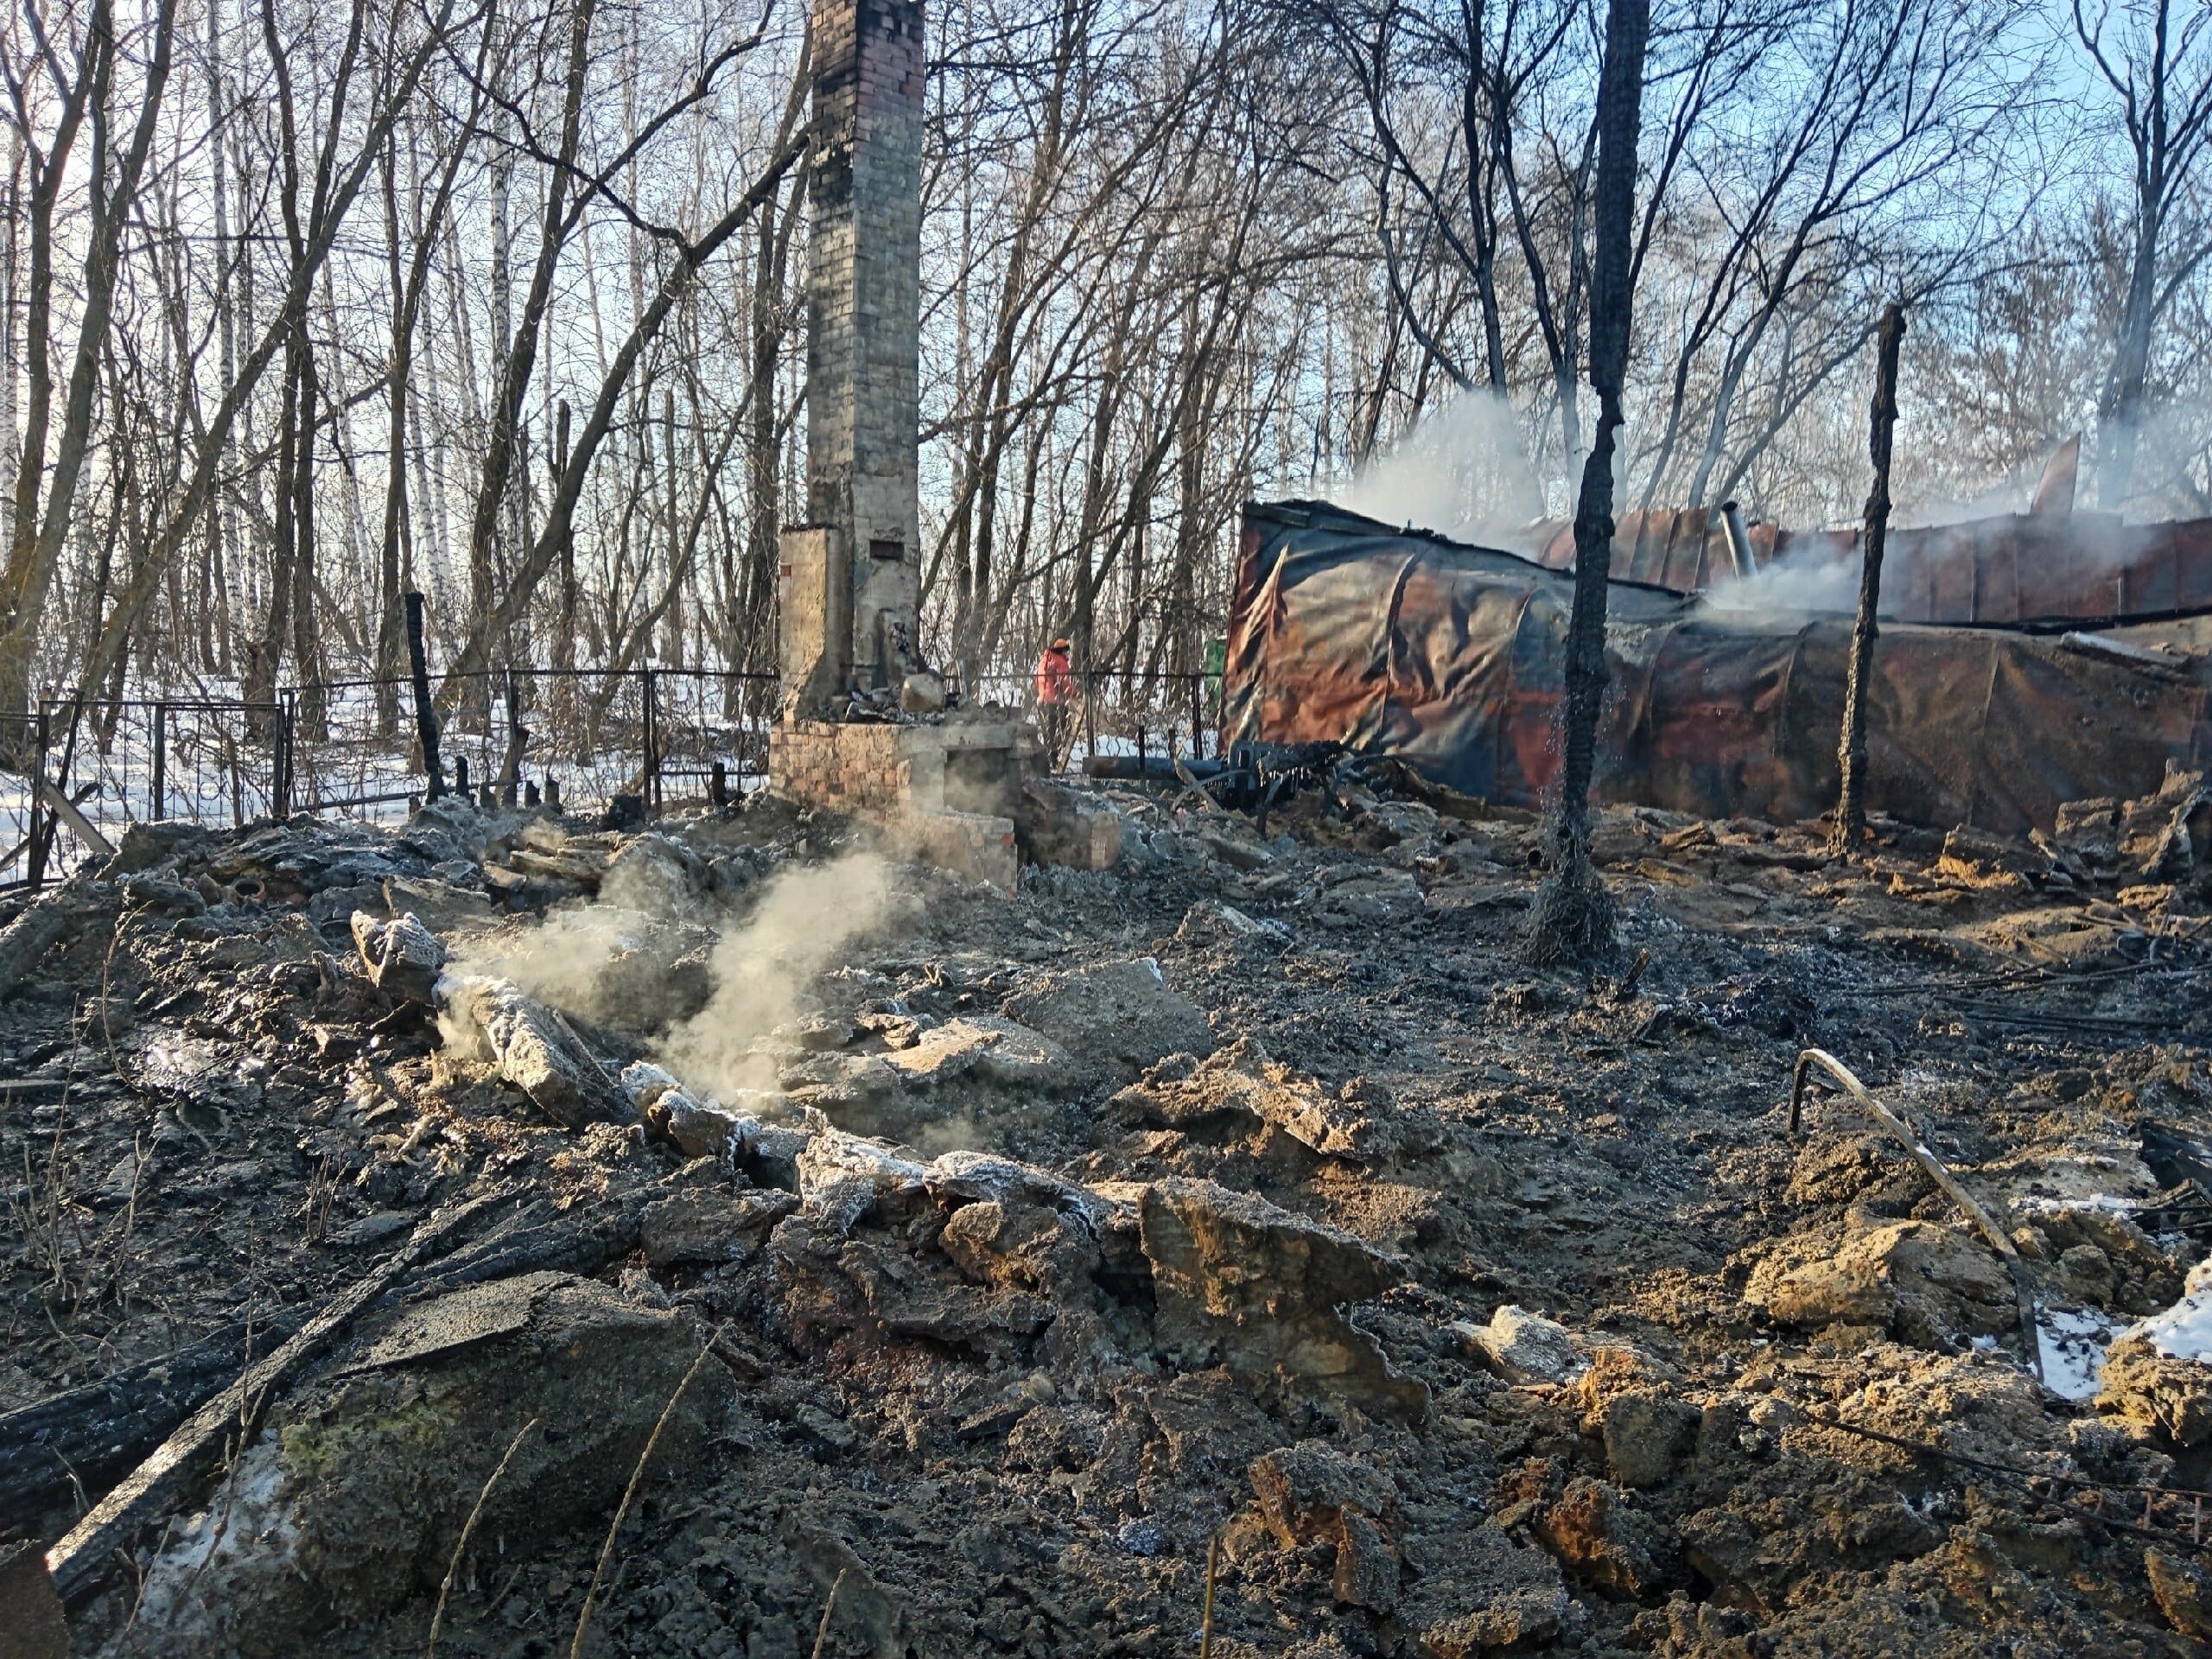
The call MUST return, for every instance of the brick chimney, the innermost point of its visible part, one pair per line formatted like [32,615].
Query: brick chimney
[850,576]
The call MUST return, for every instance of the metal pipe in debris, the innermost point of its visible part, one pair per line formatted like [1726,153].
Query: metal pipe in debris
[1739,539]
[1942,1177]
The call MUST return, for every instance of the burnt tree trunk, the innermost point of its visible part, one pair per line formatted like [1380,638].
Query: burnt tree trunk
[1572,920]
[426,719]
[1851,753]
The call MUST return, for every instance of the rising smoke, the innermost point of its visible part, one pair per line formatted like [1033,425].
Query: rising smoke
[603,960]
[1460,470]
[803,921]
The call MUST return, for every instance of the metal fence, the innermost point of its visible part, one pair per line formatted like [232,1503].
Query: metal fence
[589,735]
[80,770]
[1082,713]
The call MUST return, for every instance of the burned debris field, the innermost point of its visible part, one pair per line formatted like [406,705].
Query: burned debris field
[766,1246]
[865,830]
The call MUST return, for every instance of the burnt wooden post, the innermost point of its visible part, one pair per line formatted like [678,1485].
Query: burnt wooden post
[426,719]
[1851,753]
[718,784]
[1198,717]
[156,808]
[517,739]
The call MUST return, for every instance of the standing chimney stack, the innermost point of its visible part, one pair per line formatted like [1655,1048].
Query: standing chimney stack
[850,592]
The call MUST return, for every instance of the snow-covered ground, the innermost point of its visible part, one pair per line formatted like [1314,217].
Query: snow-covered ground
[2183,1331]
[219,755]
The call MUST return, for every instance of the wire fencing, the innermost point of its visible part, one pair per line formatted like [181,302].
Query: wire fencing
[80,770]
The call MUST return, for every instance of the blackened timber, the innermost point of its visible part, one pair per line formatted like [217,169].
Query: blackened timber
[1851,753]
[426,718]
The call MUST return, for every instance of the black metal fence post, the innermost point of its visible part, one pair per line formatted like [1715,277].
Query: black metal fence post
[41,837]
[157,808]
[652,742]
[280,782]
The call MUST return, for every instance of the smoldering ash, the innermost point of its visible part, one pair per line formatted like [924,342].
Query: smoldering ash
[759,967]
[803,923]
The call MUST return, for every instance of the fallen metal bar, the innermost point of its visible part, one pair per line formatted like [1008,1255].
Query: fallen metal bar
[2030,1331]
[1159,768]
[79,825]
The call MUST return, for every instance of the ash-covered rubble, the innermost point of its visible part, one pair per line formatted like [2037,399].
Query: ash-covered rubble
[898,1267]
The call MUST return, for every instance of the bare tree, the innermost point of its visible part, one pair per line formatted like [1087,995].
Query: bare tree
[90,97]
[2160,69]
[337,187]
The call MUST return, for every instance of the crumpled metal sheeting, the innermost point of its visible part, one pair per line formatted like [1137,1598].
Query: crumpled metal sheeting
[2009,568]
[1403,643]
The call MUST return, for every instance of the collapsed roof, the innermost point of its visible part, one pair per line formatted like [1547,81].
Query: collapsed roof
[2016,569]
[2050,566]
[1402,642]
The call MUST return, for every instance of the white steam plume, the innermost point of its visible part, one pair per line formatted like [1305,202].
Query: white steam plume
[565,961]
[1461,470]
[1817,583]
[605,960]
[802,924]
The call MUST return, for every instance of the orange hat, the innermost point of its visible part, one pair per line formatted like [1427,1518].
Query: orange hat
[1059,645]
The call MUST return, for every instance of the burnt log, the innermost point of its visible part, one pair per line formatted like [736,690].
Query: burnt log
[89,1433]
[164,1479]
[1851,748]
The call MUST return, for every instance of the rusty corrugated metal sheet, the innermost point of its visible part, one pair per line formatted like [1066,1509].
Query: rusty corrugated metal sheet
[1449,655]
[1682,548]
[2011,569]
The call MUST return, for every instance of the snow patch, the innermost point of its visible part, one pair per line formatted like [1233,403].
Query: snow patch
[2072,1345]
[2183,1331]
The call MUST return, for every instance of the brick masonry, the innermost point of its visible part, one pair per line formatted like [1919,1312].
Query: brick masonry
[957,765]
[948,788]
[864,309]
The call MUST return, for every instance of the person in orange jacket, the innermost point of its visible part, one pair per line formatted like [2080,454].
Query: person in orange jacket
[1055,680]
[1055,674]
